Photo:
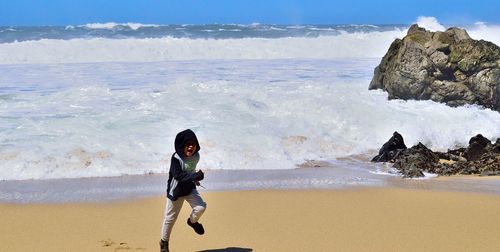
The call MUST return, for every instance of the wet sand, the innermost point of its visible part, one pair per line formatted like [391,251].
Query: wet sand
[364,219]
[338,175]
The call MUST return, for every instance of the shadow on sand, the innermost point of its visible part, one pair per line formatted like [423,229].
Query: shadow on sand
[230,249]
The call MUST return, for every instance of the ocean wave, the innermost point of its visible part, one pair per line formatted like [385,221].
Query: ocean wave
[8,30]
[110,119]
[113,25]
[232,30]
[313,42]
[273,28]
[296,26]
[344,45]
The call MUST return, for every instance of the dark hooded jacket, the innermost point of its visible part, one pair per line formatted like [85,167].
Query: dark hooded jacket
[180,181]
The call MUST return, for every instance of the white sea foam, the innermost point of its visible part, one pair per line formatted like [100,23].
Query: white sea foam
[113,25]
[108,119]
[487,32]
[276,28]
[296,27]
[428,175]
[430,23]
[345,45]
[8,29]
[321,29]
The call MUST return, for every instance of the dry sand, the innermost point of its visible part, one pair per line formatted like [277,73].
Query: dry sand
[308,220]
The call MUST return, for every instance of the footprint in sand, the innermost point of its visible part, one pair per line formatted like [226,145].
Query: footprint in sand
[107,243]
[121,246]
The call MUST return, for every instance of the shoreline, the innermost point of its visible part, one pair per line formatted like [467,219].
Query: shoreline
[356,219]
[153,185]
[332,177]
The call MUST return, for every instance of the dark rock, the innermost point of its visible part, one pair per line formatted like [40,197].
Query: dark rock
[477,147]
[417,157]
[391,148]
[496,147]
[457,153]
[490,164]
[415,28]
[447,67]
[480,140]
[480,157]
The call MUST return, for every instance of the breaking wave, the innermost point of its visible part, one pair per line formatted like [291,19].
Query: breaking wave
[109,119]
[344,45]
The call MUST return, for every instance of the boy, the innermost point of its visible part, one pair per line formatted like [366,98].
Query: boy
[182,182]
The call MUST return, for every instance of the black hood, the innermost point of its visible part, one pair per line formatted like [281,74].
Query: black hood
[182,139]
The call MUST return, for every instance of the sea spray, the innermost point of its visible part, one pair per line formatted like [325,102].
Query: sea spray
[111,119]
[345,45]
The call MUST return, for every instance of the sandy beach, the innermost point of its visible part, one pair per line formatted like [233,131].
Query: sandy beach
[267,220]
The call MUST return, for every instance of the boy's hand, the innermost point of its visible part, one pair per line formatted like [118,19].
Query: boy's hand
[197,183]
[199,175]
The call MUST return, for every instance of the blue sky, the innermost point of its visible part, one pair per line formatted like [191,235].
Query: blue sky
[63,12]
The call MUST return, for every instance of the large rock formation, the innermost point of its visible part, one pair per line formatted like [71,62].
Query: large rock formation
[480,157]
[447,67]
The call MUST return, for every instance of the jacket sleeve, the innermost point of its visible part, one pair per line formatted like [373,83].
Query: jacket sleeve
[179,174]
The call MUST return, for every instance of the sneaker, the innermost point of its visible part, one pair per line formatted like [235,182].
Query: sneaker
[164,246]
[198,228]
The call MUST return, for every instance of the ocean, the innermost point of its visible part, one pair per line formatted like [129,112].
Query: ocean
[106,100]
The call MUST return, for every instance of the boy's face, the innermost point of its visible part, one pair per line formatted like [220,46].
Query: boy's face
[189,149]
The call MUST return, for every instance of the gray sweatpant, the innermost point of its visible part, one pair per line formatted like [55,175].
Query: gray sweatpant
[173,208]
